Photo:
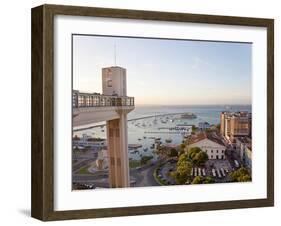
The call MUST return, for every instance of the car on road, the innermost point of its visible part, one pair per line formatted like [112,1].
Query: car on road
[236,163]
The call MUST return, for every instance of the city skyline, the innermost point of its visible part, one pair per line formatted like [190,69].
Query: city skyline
[167,72]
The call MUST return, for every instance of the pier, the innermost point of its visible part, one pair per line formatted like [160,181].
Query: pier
[162,132]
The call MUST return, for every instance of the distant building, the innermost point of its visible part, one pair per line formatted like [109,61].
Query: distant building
[211,143]
[244,150]
[235,124]
[204,125]
[247,159]
[102,160]
[88,142]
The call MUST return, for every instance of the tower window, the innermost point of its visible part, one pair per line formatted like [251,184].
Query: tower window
[109,83]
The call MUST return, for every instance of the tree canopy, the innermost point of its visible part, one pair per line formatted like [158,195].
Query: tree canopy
[202,180]
[240,175]
[145,159]
[183,170]
[173,152]
[197,156]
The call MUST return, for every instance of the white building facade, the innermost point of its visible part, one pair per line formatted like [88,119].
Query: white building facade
[213,149]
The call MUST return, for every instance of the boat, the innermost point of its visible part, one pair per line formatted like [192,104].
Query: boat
[134,146]
[169,140]
[188,116]
[133,151]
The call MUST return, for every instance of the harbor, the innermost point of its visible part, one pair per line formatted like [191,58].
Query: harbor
[149,126]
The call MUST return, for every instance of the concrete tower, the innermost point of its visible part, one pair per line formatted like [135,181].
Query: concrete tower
[114,81]
[114,84]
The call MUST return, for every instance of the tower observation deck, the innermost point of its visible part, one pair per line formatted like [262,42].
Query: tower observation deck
[111,106]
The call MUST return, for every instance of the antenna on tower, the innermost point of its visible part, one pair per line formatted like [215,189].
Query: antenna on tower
[114,54]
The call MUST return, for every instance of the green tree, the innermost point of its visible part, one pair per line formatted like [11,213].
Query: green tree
[145,159]
[200,158]
[173,152]
[181,152]
[193,128]
[182,145]
[161,150]
[202,180]
[192,152]
[208,180]
[183,170]
[183,158]
[197,180]
[197,156]
[240,175]
[218,126]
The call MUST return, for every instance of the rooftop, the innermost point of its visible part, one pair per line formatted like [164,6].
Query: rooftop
[210,136]
[237,114]
[249,146]
[112,67]
[244,139]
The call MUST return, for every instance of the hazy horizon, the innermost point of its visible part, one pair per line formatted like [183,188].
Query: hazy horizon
[167,72]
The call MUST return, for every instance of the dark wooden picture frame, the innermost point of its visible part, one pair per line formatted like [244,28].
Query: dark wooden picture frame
[42,203]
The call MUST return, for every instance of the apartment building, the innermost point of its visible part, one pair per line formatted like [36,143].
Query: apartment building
[235,124]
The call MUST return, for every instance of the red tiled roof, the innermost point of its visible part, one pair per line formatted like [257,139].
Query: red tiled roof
[201,136]
[196,138]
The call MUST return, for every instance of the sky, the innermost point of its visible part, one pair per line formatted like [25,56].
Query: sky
[167,72]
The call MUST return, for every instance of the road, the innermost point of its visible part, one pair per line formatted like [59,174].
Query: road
[143,177]
[231,155]
[81,164]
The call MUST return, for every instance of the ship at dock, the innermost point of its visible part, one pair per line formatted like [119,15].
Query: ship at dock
[188,116]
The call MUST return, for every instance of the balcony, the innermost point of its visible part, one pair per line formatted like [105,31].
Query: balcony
[92,108]
[82,100]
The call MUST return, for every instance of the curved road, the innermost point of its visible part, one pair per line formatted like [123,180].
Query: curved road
[143,177]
